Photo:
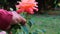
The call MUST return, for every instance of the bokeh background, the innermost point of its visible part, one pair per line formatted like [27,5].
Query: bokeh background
[45,21]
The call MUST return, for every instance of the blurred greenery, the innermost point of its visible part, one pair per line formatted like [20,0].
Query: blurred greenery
[42,24]
[48,24]
[36,24]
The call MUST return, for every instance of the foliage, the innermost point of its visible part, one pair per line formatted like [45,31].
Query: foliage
[42,24]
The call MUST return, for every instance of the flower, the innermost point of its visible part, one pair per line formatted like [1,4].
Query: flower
[27,6]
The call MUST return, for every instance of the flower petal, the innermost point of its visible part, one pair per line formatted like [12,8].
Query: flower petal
[28,5]
[20,11]
[30,11]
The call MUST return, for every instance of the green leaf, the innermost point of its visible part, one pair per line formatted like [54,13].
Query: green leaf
[19,31]
[14,31]
[43,30]
[35,33]
[31,22]
[25,29]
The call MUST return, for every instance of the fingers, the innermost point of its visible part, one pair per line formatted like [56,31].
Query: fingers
[17,18]
[22,20]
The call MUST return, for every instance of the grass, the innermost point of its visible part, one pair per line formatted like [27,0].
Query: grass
[49,24]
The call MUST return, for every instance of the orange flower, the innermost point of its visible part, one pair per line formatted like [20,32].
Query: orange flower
[27,6]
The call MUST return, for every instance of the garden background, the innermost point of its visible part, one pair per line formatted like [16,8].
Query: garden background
[45,21]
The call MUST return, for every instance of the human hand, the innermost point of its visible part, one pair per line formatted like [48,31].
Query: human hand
[17,18]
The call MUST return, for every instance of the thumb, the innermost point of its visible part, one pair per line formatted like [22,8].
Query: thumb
[23,20]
